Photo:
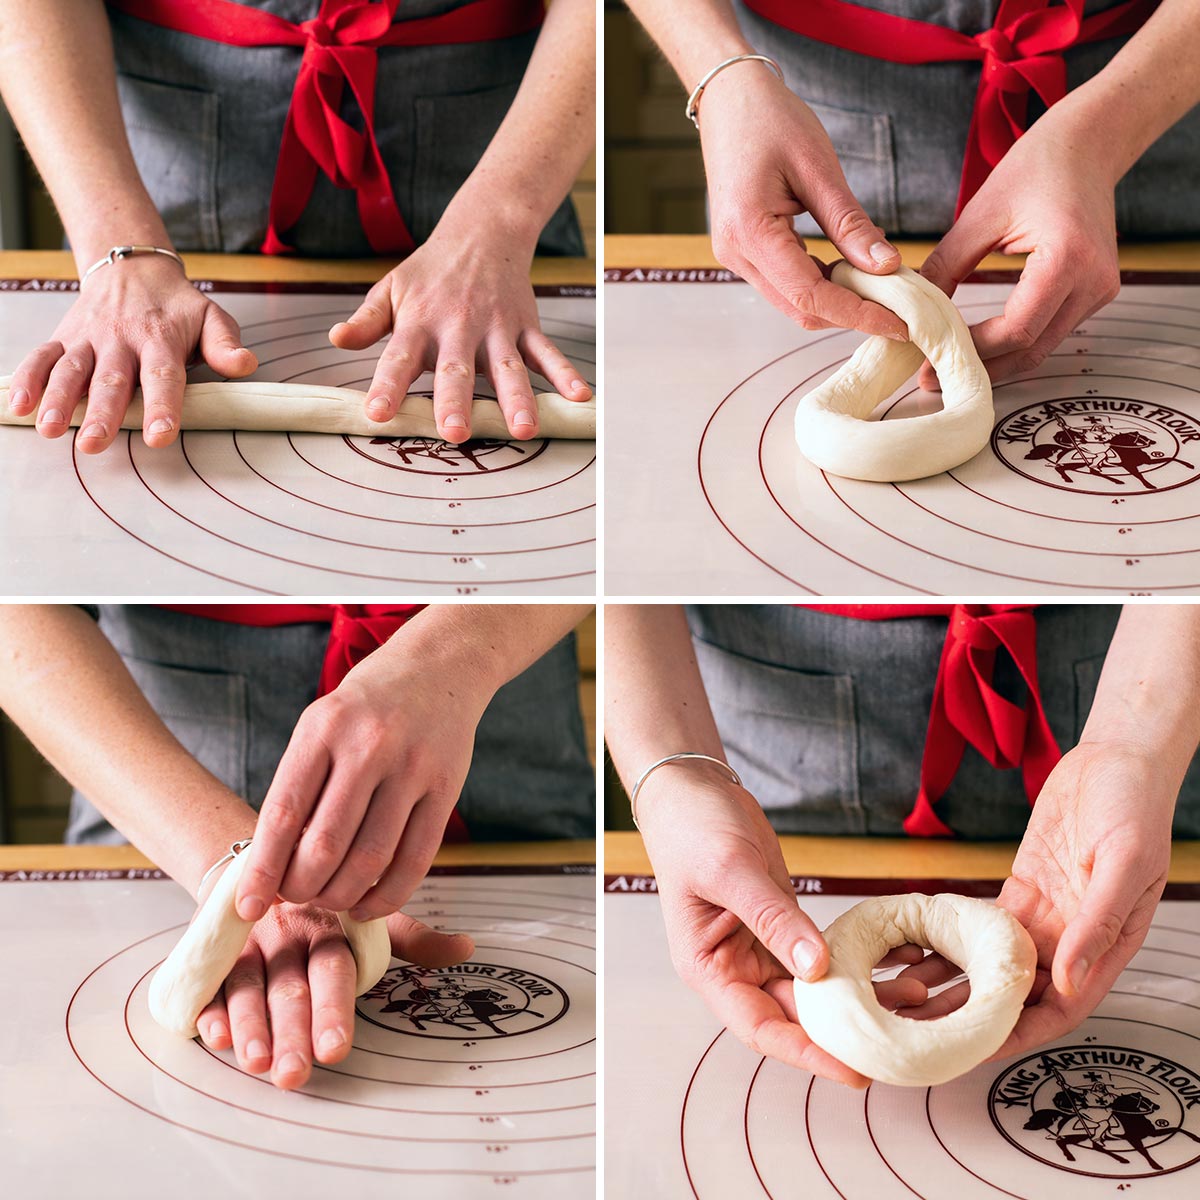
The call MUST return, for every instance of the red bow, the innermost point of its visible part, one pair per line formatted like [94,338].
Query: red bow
[1022,52]
[341,45]
[966,708]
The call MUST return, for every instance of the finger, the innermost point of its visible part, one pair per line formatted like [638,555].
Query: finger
[289,1005]
[941,1003]
[756,1018]
[970,239]
[761,283]
[221,345]
[399,367]
[1041,292]
[415,942]
[213,1023]
[246,1003]
[369,322]
[64,390]
[454,389]
[418,844]
[770,912]
[296,784]
[514,393]
[163,377]
[779,255]
[932,971]
[844,221]
[901,955]
[333,823]
[29,379]
[109,395]
[553,365]
[331,977]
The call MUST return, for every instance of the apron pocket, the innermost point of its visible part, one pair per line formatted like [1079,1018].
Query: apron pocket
[863,142]
[793,738]
[173,133]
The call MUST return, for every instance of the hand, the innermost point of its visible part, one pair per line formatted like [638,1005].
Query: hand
[1052,197]
[138,320]
[768,159]
[736,933]
[461,304]
[290,996]
[1085,883]
[356,810]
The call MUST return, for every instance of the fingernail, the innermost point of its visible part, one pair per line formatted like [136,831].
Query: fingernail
[292,1064]
[579,386]
[804,955]
[524,417]
[332,1040]
[18,398]
[52,417]
[359,914]
[455,421]
[94,430]
[881,252]
[217,1031]
[378,408]
[251,908]
[258,1049]
[162,425]
[1078,974]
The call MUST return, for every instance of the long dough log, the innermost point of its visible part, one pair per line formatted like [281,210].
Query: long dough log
[193,972]
[302,408]
[841,1014]
[833,429]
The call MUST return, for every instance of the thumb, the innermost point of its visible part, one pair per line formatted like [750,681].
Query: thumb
[417,943]
[967,243]
[221,345]
[371,321]
[1094,929]
[862,243]
[771,912]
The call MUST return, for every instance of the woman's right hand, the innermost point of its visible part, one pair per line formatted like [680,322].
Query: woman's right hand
[138,320]
[768,159]
[737,935]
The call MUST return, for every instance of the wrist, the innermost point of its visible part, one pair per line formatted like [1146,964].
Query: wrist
[1085,125]
[512,223]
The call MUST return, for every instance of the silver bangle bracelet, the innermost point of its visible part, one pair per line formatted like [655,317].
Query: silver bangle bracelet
[234,851]
[693,105]
[670,758]
[119,252]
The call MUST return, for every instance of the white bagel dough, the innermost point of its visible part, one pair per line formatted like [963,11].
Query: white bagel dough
[842,1015]
[304,408]
[192,974]
[833,426]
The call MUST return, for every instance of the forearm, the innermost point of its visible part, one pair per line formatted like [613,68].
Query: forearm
[63,683]
[545,137]
[695,41]
[58,79]
[1149,687]
[1149,85]
[654,698]
[472,649]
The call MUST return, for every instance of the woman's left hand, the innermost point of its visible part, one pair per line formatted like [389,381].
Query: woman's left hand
[1051,197]
[460,305]
[1085,883]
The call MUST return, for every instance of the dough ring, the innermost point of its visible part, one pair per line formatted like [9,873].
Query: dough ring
[303,408]
[193,972]
[833,426]
[841,1014]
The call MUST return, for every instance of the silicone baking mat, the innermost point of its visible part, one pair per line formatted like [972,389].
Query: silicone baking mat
[1113,1106]
[296,514]
[1086,485]
[477,1080]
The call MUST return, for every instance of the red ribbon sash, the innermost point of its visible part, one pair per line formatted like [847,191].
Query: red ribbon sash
[1022,52]
[341,47]
[355,631]
[967,709]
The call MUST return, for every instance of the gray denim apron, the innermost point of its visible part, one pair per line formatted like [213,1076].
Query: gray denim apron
[900,131]
[205,121]
[824,717]
[232,695]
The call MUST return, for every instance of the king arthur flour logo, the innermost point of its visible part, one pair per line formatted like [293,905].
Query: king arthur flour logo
[1107,1111]
[432,456]
[470,1001]
[1100,445]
